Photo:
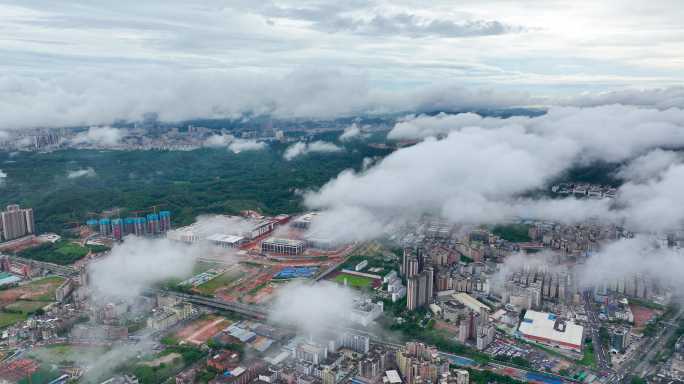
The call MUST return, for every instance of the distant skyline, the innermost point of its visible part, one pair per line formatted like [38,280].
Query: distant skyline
[235,56]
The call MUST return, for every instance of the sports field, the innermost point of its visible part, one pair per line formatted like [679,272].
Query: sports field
[223,280]
[354,281]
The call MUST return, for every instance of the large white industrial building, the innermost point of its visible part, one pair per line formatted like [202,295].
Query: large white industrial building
[552,330]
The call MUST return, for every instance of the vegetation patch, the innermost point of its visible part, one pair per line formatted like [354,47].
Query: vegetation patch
[220,281]
[517,233]
[25,307]
[7,318]
[63,252]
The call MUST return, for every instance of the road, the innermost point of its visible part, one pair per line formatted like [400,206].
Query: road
[602,356]
[641,364]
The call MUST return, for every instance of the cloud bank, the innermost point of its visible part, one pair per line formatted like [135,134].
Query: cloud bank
[649,165]
[631,257]
[482,170]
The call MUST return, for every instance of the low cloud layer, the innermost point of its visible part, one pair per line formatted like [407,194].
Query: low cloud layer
[78,173]
[656,204]
[100,136]
[628,258]
[301,149]
[233,143]
[207,225]
[352,132]
[649,165]
[138,263]
[619,260]
[312,309]
[482,170]
[661,98]
[95,98]
[609,133]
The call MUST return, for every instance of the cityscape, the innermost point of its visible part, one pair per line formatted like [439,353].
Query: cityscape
[320,192]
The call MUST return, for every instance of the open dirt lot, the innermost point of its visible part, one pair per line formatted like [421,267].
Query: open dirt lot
[200,331]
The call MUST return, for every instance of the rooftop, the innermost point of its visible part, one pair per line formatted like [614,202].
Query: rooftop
[549,326]
[282,241]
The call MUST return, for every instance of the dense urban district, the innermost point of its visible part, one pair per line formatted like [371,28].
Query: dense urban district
[432,302]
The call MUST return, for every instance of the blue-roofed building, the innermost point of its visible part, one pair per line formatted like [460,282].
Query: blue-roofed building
[8,279]
[534,377]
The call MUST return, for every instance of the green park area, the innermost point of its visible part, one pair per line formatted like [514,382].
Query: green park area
[62,252]
[7,318]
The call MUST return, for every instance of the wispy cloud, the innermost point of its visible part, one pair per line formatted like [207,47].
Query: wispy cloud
[300,149]
[78,173]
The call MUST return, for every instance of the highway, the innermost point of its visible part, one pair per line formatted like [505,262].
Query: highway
[243,309]
[261,313]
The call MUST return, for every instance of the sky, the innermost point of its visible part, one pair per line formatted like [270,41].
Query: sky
[78,62]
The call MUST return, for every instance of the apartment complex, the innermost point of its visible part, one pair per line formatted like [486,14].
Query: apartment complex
[16,222]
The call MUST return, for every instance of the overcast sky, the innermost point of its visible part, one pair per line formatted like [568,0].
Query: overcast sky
[131,56]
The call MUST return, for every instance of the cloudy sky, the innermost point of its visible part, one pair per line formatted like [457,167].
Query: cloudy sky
[92,62]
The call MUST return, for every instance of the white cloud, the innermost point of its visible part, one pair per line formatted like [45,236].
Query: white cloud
[312,308]
[649,165]
[300,149]
[610,133]
[78,173]
[207,225]
[294,150]
[138,263]
[100,136]
[628,258]
[483,169]
[656,204]
[234,144]
[350,133]
[218,141]
[415,27]
[238,146]
[661,98]
[3,175]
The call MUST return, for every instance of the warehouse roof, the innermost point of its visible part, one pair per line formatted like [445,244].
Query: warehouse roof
[550,327]
[469,301]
